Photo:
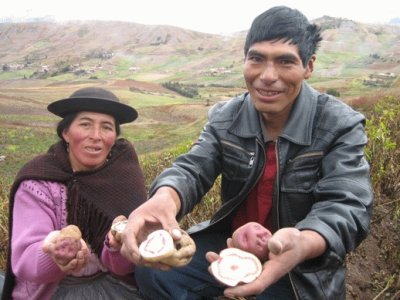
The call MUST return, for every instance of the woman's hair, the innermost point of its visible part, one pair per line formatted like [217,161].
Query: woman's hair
[286,24]
[68,119]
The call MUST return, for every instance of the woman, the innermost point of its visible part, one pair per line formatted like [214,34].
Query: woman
[90,178]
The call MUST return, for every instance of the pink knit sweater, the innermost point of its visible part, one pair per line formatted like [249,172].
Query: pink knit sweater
[39,208]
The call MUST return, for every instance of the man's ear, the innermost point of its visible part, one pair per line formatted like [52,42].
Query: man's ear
[310,67]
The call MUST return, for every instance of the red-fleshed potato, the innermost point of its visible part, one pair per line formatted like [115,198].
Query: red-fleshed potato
[236,266]
[160,247]
[68,243]
[241,263]
[118,228]
[252,237]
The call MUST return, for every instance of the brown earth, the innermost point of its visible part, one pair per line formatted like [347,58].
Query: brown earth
[373,269]
[141,86]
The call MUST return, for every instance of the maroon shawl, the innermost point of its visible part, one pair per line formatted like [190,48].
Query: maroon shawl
[95,197]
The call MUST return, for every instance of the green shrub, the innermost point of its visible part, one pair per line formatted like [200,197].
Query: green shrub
[181,89]
[154,164]
[383,153]
[333,92]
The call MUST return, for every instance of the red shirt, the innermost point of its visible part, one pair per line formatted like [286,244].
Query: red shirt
[258,204]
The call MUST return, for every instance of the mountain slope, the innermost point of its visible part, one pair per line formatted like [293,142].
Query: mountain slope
[177,54]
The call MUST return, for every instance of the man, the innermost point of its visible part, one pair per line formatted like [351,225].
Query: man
[291,159]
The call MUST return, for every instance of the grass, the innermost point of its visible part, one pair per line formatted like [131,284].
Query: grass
[153,138]
[139,100]
[19,74]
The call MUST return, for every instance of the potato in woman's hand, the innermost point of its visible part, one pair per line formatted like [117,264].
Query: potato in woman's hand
[118,228]
[67,244]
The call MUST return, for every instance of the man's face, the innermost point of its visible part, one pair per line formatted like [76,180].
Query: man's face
[274,74]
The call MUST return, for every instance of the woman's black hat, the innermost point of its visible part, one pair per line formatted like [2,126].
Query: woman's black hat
[94,99]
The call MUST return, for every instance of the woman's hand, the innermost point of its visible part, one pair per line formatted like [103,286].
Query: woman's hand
[69,254]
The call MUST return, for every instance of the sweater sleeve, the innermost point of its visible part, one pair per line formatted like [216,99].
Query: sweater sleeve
[115,262]
[34,216]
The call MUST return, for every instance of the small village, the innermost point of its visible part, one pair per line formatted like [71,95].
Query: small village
[380,79]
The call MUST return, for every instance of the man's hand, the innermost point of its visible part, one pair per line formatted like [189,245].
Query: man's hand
[159,212]
[288,247]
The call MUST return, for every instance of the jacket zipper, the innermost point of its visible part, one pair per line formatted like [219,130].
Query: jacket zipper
[293,287]
[251,162]
[252,154]
[310,154]
[277,184]
[277,206]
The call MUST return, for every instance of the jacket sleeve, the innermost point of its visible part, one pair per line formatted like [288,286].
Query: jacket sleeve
[33,205]
[343,195]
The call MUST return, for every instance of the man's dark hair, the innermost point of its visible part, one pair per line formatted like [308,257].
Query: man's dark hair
[286,24]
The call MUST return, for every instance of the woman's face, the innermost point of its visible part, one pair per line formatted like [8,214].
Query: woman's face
[253,238]
[90,137]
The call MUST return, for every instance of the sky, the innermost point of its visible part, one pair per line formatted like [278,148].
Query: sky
[209,16]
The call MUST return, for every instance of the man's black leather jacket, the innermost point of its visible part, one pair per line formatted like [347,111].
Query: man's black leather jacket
[322,183]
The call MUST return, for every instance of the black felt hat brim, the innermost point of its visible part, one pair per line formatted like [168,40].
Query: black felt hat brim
[121,112]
